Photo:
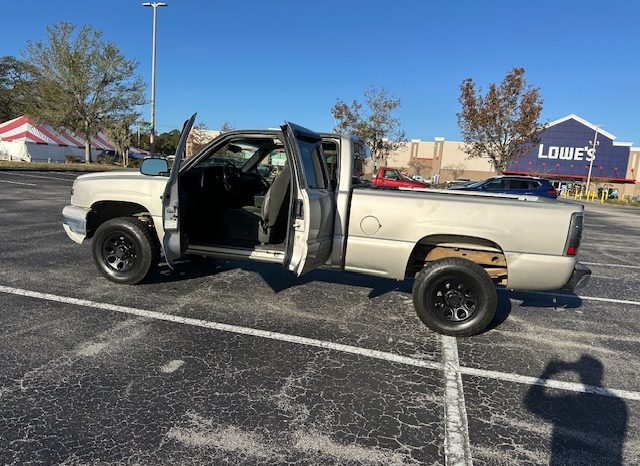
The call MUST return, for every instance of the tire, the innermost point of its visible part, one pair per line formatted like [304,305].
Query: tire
[125,250]
[454,297]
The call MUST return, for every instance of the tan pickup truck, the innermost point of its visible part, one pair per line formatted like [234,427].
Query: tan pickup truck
[288,196]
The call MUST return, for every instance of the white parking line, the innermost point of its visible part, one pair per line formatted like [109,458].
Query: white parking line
[35,176]
[17,182]
[391,357]
[570,386]
[227,328]
[609,300]
[602,246]
[622,266]
[73,174]
[457,449]
[584,298]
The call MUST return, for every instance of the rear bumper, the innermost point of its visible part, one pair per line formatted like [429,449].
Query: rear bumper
[74,221]
[579,278]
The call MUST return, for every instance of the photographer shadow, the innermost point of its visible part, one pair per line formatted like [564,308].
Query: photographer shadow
[588,428]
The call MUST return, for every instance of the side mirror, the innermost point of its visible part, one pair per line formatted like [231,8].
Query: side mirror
[154,167]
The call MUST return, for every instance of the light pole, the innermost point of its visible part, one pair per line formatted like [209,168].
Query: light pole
[594,143]
[152,123]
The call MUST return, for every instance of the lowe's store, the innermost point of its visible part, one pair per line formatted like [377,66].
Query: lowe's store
[566,150]
[570,145]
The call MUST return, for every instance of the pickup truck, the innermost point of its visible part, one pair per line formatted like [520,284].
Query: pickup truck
[455,245]
[392,178]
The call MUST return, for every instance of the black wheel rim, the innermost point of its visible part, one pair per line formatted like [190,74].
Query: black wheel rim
[119,252]
[454,300]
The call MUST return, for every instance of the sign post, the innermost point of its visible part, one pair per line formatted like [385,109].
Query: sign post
[594,143]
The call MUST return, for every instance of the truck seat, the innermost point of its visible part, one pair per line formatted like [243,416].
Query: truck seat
[273,226]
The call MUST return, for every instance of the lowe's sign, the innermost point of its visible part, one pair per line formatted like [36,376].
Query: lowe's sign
[567,153]
[565,150]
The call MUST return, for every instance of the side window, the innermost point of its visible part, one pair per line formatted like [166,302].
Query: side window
[314,170]
[330,150]
[495,185]
[390,175]
[534,184]
[519,184]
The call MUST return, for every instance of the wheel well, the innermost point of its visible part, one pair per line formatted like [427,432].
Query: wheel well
[106,210]
[481,251]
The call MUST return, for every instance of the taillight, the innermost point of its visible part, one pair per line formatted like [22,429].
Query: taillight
[552,191]
[575,233]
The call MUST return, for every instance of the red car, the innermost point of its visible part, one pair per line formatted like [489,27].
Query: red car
[392,178]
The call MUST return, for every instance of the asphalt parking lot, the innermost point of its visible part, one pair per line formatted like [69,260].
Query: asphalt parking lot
[231,363]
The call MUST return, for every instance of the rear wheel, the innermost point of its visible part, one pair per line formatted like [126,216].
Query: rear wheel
[454,297]
[125,251]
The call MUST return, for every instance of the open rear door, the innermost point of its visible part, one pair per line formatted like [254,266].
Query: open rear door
[174,242]
[311,236]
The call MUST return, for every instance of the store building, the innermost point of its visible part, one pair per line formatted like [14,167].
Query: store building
[563,155]
[570,145]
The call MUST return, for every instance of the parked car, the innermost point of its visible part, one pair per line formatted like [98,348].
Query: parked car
[509,184]
[455,245]
[392,178]
[421,179]
[457,183]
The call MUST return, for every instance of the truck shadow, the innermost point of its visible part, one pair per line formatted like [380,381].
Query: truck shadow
[563,300]
[277,278]
[559,299]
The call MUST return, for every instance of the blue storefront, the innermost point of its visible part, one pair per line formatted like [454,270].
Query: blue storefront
[566,149]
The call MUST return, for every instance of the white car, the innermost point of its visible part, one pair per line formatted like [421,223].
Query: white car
[421,179]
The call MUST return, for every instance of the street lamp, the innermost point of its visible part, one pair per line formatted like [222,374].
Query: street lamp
[152,130]
[593,143]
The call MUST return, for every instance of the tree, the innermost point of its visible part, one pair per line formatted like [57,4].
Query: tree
[456,169]
[226,126]
[12,80]
[167,143]
[79,82]
[418,166]
[372,122]
[503,124]
[120,134]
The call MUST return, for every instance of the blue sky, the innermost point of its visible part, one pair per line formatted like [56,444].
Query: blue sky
[255,63]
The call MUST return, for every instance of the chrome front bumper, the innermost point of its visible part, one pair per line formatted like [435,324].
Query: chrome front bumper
[579,278]
[74,221]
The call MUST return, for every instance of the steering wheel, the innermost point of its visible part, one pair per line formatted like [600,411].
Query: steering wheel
[231,177]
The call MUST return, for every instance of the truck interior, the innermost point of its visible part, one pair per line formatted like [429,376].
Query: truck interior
[238,195]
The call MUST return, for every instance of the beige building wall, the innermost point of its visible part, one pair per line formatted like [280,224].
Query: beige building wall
[439,157]
[632,173]
[198,138]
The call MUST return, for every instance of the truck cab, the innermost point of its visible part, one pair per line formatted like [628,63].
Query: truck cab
[388,177]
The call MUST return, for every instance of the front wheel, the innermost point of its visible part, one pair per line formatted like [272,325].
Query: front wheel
[124,250]
[454,296]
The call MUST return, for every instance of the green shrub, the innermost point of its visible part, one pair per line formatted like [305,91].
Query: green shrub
[72,159]
[105,160]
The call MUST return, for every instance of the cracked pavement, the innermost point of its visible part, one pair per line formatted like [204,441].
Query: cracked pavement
[80,385]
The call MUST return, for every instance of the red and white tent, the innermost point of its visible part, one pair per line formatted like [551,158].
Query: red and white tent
[23,139]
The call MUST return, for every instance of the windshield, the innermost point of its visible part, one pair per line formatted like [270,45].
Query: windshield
[235,152]
[476,184]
